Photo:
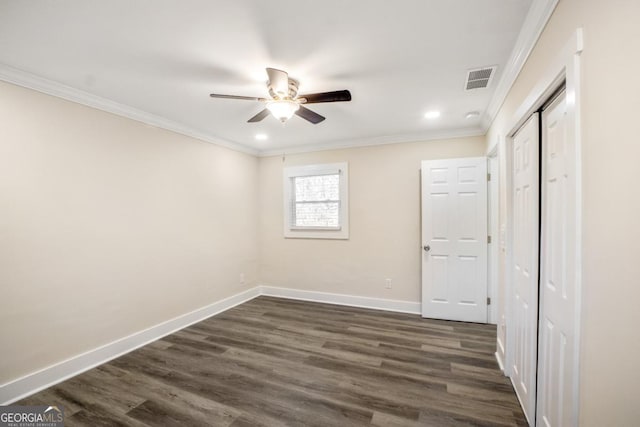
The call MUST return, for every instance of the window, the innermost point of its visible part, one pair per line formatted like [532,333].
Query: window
[315,201]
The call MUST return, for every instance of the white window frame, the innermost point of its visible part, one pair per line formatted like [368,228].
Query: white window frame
[341,232]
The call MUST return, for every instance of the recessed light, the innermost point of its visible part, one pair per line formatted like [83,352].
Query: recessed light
[261,137]
[432,115]
[472,114]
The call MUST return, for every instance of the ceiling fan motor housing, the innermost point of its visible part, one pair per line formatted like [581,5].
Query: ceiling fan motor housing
[293,90]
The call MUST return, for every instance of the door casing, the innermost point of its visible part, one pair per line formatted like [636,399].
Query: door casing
[565,68]
[493,228]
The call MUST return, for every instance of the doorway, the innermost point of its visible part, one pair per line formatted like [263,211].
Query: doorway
[555,369]
[544,253]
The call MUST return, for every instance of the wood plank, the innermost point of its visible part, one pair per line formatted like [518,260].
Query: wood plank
[277,362]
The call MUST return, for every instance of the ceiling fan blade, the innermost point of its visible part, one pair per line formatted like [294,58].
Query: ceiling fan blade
[335,96]
[258,117]
[309,115]
[278,81]
[245,98]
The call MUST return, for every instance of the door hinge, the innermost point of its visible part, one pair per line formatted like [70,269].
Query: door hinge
[488,239]
[488,177]
[488,301]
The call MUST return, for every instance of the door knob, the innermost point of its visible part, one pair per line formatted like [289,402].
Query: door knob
[426,248]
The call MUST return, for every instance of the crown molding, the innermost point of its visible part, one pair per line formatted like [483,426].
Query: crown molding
[534,23]
[373,141]
[50,87]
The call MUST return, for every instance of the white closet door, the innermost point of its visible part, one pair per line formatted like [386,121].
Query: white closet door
[454,236]
[525,263]
[558,265]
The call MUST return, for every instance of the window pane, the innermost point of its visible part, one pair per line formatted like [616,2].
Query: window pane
[317,188]
[317,214]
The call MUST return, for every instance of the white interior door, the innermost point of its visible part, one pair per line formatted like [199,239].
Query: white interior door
[454,236]
[525,263]
[557,275]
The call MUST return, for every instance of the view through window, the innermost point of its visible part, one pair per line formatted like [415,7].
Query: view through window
[316,201]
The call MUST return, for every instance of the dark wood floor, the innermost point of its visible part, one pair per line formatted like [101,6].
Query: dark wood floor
[275,362]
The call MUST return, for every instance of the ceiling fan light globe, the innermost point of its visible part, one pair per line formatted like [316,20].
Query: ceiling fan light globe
[282,110]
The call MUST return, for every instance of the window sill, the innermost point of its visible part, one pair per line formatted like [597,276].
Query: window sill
[301,228]
[316,233]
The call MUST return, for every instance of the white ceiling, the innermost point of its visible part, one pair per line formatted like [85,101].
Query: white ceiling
[399,59]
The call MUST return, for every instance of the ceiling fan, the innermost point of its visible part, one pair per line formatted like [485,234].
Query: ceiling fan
[285,101]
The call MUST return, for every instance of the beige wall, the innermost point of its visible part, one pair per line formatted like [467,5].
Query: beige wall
[384,205]
[611,197]
[109,226]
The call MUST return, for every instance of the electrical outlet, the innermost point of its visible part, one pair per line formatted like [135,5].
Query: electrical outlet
[242,278]
[388,284]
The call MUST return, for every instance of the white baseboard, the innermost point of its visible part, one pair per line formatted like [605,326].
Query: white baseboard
[34,382]
[54,374]
[499,355]
[500,363]
[342,299]
[524,411]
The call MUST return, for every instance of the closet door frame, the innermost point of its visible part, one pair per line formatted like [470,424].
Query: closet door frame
[565,69]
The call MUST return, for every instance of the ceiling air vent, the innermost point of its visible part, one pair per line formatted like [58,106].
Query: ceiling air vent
[479,78]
